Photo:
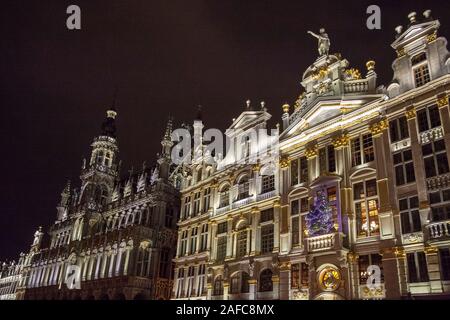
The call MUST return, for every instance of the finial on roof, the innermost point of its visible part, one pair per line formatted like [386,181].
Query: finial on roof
[412,17]
[248,103]
[427,14]
[399,29]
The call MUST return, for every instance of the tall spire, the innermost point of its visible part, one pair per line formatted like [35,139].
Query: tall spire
[168,133]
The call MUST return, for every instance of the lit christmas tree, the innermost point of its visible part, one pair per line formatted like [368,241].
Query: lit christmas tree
[319,219]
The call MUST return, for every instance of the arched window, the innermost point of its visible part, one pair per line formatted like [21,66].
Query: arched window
[245,287]
[265,281]
[218,286]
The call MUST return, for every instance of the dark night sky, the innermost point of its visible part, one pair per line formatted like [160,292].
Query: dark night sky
[166,57]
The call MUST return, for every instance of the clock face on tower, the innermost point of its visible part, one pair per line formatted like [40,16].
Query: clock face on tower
[329,279]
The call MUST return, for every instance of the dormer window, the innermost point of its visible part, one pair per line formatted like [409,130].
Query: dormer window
[420,69]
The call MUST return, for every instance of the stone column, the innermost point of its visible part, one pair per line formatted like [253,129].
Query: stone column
[353,267]
[382,159]
[276,287]
[434,269]
[229,238]
[276,225]
[394,272]
[226,289]
[419,171]
[213,243]
[252,289]
[311,153]
[255,243]
[285,281]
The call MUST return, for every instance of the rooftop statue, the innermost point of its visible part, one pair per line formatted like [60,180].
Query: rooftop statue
[323,43]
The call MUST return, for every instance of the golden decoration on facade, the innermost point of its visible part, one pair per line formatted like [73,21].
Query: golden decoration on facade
[431,250]
[321,73]
[340,141]
[275,278]
[330,279]
[432,37]
[399,252]
[401,52]
[353,73]
[285,108]
[442,101]
[378,127]
[285,266]
[256,167]
[284,162]
[370,65]
[410,114]
[352,257]
[311,152]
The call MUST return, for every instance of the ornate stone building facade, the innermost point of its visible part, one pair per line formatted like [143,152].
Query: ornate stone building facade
[379,155]
[120,233]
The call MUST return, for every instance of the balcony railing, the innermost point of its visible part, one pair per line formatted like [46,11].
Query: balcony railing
[356,86]
[438,229]
[266,195]
[431,135]
[319,243]
[222,209]
[242,202]
[441,181]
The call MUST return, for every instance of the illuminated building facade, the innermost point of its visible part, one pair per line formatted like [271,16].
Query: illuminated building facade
[379,154]
[120,233]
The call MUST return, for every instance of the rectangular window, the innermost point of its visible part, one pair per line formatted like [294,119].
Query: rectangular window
[444,259]
[204,238]
[440,205]
[194,232]
[268,183]
[303,170]
[243,190]
[366,208]
[266,215]
[267,238]
[421,74]
[409,215]
[221,248]
[398,129]
[295,231]
[184,240]
[222,227]
[241,243]
[206,199]
[295,208]
[428,118]
[187,207]
[196,204]
[435,158]
[362,150]
[403,167]
[327,159]
[417,267]
[295,276]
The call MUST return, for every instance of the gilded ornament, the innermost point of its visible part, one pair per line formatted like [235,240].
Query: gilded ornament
[410,114]
[370,65]
[442,101]
[432,37]
[340,141]
[311,152]
[377,128]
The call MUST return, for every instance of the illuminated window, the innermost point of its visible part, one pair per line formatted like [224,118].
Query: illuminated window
[420,69]
[327,159]
[366,208]
[295,276]
[362,150]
